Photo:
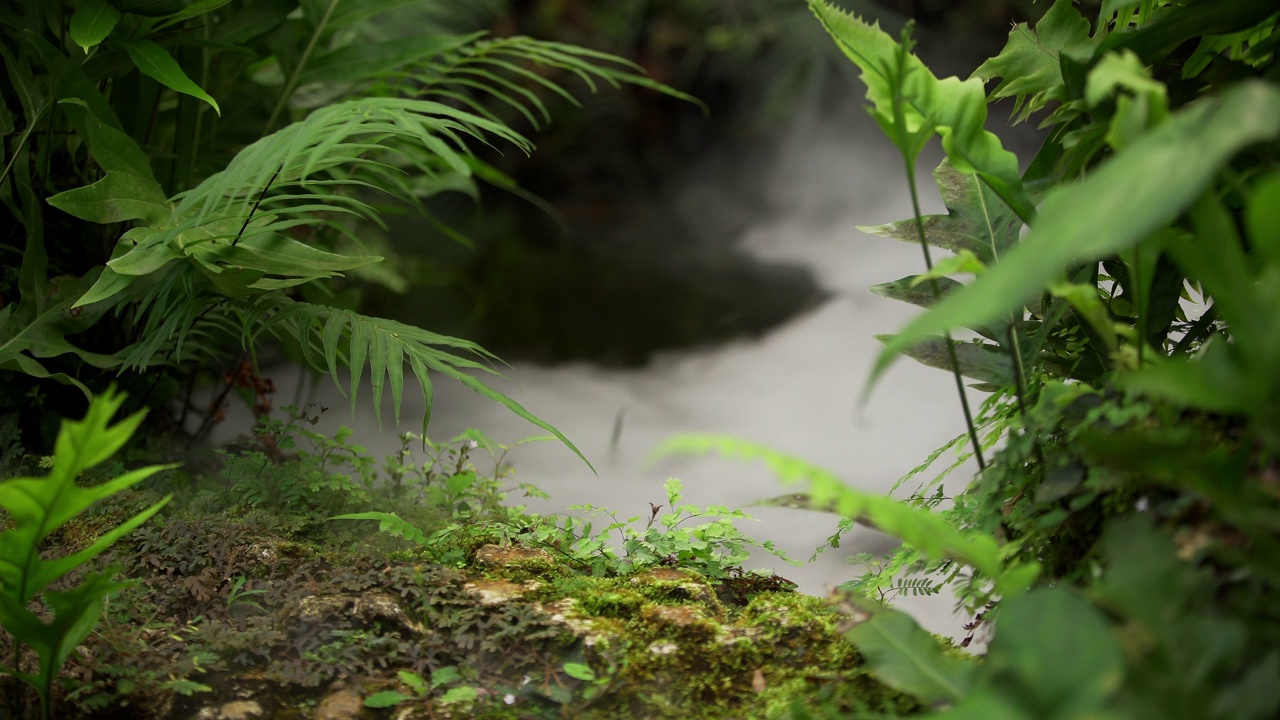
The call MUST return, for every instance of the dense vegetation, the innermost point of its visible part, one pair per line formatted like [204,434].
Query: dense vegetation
[182,178]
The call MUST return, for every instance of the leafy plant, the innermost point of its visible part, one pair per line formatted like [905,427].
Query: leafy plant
[188,225]
[37,507]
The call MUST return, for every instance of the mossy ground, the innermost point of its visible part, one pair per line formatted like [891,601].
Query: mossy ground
[233,616]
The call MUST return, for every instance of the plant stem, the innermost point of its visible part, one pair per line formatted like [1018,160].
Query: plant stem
[937,294]
[296,75]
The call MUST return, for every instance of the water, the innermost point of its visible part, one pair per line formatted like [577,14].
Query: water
[795,389]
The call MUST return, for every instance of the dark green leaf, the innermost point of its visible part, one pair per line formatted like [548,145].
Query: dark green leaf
[156,63]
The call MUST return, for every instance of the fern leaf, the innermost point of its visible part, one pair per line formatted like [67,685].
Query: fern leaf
[391,524]
[331,337]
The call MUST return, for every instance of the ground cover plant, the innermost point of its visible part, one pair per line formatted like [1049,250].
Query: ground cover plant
[1119,537]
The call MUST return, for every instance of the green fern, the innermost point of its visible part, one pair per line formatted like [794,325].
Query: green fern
[391,524]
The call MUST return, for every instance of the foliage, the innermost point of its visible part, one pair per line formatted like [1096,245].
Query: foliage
[38,507]
[1125,289]
[710,548]
[186,226]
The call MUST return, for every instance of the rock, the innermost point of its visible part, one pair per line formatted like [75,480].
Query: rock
[369,607]
[345,704]
[497,592]
[235,710]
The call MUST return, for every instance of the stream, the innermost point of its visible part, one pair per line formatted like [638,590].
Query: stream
[794,388]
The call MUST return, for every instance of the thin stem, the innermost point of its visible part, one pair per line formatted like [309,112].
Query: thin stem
[905,141]
[937,294]
[296,75]
[254,210]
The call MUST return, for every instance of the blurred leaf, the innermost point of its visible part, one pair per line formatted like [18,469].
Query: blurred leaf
[363,60]
[385,699]
[92,22]
[905,657]
[1262,217]
[928,532]
[1132,195]
[156,63]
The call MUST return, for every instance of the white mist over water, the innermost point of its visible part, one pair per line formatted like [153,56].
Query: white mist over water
[795,389]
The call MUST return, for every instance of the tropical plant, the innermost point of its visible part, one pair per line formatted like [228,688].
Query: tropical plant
[1124,302]
[184,227]
[37,507]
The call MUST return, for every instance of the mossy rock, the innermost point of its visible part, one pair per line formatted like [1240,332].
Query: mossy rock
[528,637]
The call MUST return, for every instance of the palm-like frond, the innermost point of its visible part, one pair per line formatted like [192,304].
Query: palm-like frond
[512,71]
[331,337]
[233,226]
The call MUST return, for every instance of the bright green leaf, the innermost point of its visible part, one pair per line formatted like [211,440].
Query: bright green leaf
[1028,66]
[115,198]
[956,109]
[385,699]
[92,22]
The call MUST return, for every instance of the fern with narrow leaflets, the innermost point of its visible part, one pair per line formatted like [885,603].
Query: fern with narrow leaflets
[234,224]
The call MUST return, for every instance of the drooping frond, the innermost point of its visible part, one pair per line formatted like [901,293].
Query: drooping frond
[514,71]
[331,337]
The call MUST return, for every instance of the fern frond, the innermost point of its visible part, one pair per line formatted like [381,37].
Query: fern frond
[330,337]
[391,524]
[513,70]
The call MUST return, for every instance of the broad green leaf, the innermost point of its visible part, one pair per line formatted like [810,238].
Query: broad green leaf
[195,9]
[92,22]
[956,109]
[37,328]
[389,523]
[385,699]
[112,148]
[1055,653]
[156,63]
[464,694]
[906,657]
[1132,195]
[977,220]
[364,61]
[1028,66]
[117,197]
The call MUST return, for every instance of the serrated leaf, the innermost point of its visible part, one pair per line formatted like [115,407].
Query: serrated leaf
[979,361]
[363,60]
[906,657]
[977,220]
[909,290]
[1133,194]
[956,109]
[156,63]
[92,22]
[1029,67]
